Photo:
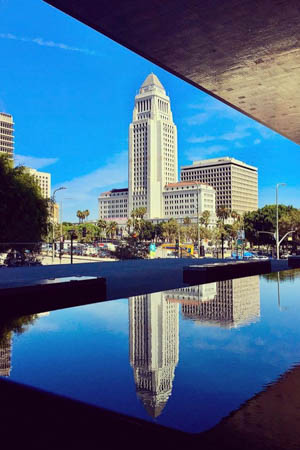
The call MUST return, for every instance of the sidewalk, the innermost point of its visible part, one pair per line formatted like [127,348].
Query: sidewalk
[124,278]
[66,259]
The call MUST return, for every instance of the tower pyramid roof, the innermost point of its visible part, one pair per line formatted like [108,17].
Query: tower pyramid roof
[152,80]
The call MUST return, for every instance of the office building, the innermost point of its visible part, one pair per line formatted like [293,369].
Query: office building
[43,179]
[5,356]
[227,304]
[235,182]
[6,135]
[152,148]
[113,204]
[188,199]
[153,348]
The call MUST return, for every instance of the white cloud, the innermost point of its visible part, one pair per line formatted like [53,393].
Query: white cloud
[201,152]
[44,43]
[215,109]
[197,119]
[200,139]
[238,145]
[33,162]
[83,192]
[239,132]
[265,132]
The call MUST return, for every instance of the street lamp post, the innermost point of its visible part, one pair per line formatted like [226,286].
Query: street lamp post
[53,202]
[277,226]
[61,227]
[198,224]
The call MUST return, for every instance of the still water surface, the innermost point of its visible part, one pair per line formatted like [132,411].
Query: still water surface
[184,358]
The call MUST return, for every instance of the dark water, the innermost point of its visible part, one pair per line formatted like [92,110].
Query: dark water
[185,358]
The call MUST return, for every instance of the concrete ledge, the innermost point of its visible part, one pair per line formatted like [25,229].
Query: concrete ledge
[50,294]
[224,271]
[294,262]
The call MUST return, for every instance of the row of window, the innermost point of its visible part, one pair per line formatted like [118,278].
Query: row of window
[7,144]
[205,178]
[5,149]
[144,105]
[7,137]
[114,201]
[5,125]
[8,132]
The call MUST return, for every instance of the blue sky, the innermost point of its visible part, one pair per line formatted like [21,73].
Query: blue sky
[71,93]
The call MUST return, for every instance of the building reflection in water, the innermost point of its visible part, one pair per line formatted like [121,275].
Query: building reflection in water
[5,356]
[6,341]
[154,329]
[154,348]
[228,304]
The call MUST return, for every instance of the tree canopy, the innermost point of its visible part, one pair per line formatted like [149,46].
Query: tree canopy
[23,210]
[264,219]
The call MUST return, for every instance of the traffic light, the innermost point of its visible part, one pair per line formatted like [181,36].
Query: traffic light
[84,232]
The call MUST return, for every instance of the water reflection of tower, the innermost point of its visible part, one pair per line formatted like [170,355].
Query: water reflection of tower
[230,303]
[154,348]
[5,356]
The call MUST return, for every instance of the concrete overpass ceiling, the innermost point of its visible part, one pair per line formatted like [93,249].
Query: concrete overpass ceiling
[246,53]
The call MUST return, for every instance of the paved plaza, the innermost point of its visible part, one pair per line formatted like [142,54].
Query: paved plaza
[124,278]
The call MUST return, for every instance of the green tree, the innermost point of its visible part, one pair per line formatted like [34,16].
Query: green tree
[86,214]
[140,212]
[112,229]
[290,222]
[102,225]
[24,212]
[264,219]
[235,216]
[80,216]
[129,225]
[170,230]
[204,218]
[15,325]
[186,221]
[223,213]
[147,231]
[158,231]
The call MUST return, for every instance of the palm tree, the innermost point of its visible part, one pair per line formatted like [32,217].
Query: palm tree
[80,215]
[170,229]
[102,225]
[223,213]
[129,225]
[204,219]
[141,211]
[86,213]
[186,221]
[111,229]
[235,216]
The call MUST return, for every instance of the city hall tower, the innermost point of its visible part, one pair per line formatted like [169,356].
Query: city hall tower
[152,148]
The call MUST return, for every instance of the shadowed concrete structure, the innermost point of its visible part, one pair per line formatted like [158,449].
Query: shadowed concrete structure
[245,53]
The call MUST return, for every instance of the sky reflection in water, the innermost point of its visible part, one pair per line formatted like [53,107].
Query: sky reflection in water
[185,358]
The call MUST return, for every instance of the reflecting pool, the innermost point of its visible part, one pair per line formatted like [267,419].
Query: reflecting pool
[186,358]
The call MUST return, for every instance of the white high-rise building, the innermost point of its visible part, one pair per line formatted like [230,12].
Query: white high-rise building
[43,179]
[152,149]
[235,182]
[189,199]
[113,204]
[154,348]
[6,135]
